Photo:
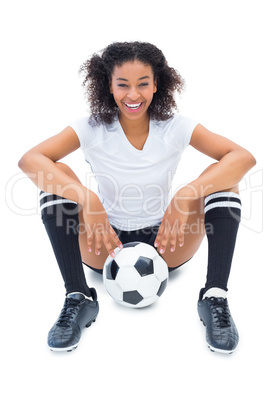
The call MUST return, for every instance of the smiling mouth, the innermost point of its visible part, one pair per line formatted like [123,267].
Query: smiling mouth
[133,106]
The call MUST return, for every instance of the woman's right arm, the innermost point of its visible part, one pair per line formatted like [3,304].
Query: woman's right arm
[39,165]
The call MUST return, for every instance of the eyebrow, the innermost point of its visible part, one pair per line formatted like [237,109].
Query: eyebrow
[142,78]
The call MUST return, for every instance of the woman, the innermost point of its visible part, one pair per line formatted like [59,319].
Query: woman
[133,142]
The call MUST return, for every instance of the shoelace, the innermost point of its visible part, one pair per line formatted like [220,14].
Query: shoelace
[68,311]
[220,311]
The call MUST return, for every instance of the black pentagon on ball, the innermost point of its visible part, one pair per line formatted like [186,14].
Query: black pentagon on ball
[144,266]
[162,287]
[132,297]
[111,270]
[131,244]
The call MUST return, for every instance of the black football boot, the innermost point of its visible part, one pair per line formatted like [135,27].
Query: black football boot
[78,312]
[221,333]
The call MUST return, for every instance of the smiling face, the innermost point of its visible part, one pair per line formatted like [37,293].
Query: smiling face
[133,87]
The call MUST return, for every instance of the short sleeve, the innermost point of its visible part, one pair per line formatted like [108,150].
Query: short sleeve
[183,127]
[84,131]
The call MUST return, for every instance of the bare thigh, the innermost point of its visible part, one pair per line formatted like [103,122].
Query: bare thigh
[193,236]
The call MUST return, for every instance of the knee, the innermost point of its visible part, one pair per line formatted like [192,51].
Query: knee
[234,189]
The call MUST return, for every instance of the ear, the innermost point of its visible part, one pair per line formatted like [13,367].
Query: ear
[155,87]
[110,87]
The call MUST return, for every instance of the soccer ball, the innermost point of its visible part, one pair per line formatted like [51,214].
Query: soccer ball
[137,275]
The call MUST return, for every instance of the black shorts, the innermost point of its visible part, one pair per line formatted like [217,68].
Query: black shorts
[146,235]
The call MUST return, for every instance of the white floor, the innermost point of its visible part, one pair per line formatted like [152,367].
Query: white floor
[154,353]
[157,353]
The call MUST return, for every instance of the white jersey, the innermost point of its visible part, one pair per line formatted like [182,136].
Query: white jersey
[133,185]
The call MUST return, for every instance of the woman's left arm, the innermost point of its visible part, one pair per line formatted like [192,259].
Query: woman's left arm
[233,163]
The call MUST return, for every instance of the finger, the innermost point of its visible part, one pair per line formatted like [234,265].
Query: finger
[89,240]
[164,241]
[89,244]
[173,235]
[159,235]
[172,240]
[181,234]
[115,237]
[98,242]
[108,245]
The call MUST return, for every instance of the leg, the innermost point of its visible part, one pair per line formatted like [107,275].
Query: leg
[60,218]
[90,259]
[222,216]
[197,226]
[194,234]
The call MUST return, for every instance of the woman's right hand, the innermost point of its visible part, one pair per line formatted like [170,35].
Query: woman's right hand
[99,230]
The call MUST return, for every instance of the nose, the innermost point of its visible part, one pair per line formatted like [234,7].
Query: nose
[133,93]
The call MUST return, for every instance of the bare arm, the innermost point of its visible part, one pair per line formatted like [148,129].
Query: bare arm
[233,163]
[39,164]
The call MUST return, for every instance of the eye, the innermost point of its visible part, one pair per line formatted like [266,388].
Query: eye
[144,84]
[122,85]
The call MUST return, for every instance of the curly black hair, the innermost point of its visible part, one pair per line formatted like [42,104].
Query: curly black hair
[98,72]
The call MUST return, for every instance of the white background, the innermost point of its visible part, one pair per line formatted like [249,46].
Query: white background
[158,353]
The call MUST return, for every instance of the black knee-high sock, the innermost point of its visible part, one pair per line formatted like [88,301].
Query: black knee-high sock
[60,217]
[222,217]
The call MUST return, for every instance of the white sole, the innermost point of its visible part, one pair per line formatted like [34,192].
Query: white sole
[225,352]
[68,349]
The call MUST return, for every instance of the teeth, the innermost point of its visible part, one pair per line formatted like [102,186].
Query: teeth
[133,105]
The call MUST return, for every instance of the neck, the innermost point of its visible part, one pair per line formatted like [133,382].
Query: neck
[132,127]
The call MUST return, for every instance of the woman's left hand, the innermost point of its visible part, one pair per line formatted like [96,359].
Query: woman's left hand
[173,224]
